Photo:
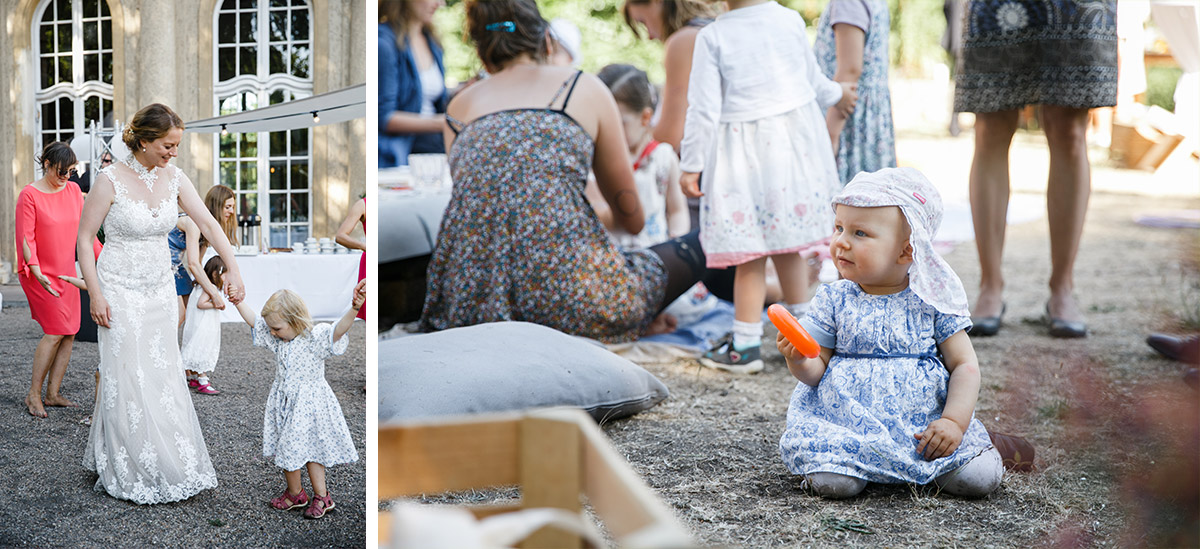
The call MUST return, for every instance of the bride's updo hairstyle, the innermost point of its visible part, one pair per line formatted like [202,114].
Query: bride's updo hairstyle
[504,29]
[150,123]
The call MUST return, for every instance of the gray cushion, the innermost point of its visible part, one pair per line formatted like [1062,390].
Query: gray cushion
[505,366]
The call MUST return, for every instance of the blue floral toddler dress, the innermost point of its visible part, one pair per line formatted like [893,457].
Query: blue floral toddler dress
[884,384]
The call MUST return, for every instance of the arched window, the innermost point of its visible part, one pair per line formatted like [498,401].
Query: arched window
[74,70]
[263,56]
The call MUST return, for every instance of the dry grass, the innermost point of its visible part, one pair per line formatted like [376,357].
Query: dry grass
[1110,420]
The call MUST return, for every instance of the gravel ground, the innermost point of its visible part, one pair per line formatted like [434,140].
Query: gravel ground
[51,501]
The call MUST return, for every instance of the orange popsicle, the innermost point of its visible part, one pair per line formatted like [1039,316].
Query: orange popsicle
[793,331]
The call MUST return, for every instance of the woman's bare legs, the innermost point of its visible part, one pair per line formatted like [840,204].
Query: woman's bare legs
[50,358]
[989,204]
[1067,193]
[62,358]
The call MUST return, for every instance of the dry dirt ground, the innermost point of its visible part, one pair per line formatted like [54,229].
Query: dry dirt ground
[1116,431]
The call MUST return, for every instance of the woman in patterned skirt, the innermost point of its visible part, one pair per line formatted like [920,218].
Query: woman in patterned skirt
[1062,55]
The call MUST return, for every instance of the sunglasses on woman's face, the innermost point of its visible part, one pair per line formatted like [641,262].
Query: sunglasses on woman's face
[67,172]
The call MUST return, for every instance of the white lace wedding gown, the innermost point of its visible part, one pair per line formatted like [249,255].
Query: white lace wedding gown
[145,441]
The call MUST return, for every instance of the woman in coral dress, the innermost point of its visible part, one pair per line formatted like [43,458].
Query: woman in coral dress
[47,221]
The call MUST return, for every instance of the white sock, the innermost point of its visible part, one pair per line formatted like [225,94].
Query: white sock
[747,334]
[203,379]
[191,376]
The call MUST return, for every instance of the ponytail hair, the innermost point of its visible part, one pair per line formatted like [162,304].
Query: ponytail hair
[630,87]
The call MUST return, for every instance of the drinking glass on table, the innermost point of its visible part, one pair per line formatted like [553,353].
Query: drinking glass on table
[428,171]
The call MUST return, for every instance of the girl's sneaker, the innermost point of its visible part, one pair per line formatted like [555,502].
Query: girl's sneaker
[319,506]
[193,383]
[207,389]
[724,357]
[287,501]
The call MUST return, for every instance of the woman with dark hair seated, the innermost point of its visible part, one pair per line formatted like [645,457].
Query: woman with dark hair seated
[519,240]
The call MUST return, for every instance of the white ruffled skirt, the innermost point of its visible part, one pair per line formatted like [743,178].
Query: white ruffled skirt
[767,188]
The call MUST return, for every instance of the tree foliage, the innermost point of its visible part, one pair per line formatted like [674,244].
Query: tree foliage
[916,32]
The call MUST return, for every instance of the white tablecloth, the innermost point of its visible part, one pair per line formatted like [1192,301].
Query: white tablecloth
[409,222]
[324,281]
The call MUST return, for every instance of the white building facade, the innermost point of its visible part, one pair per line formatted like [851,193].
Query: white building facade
[67,64]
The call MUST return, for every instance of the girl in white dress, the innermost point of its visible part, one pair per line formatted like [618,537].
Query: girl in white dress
[303,424]
[756,128]
[202,329]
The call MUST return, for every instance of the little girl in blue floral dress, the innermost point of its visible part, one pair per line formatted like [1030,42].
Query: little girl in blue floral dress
[891,398]
[303,424]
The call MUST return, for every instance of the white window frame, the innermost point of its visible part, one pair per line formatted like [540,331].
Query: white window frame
[78,90]
[262,84]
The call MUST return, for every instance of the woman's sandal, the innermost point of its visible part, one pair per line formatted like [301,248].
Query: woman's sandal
[1015,452]
[1066,329]
[987,325]
[287,501]
[319,506]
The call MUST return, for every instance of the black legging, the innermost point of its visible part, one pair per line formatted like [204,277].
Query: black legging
[685,265]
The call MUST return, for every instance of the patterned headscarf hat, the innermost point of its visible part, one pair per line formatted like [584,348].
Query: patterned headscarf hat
[929,276]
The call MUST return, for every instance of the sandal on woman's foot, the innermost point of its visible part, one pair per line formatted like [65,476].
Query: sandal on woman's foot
[987,325]
[1015,452]
[207,389]
[288,501]
[1062,328]
[319,506]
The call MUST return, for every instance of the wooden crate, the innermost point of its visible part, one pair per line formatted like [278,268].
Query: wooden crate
[1141,146]
[555,456]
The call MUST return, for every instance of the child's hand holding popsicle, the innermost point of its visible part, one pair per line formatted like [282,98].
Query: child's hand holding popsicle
[797,347]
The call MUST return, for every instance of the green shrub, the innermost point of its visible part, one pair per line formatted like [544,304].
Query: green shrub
[1160,86]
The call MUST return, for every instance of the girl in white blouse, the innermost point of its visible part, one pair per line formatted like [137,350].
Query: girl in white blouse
[756,129]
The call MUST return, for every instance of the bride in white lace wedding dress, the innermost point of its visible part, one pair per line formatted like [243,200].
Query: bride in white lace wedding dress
[145,441]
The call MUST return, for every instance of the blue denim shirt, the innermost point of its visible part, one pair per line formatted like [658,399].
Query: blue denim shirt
[400,90]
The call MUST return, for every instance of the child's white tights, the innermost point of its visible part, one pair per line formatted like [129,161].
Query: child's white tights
[978,478]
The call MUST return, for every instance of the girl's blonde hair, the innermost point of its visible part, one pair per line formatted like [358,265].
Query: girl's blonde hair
[288,305]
